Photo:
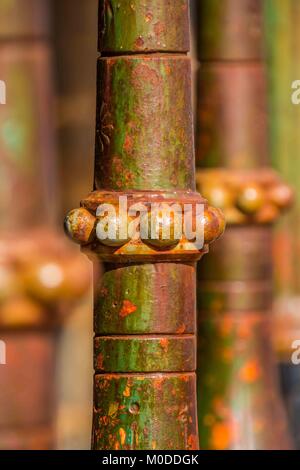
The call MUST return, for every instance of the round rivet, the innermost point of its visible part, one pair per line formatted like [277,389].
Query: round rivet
[250,199]
[214,224]
[267,214]
[164,230]
[218,196]
[79,225]
[281,195]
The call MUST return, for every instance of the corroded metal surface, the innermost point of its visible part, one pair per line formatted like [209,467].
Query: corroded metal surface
[144,117]
[27,134]
[33,21]
[159,353]
[123,307]
[240,37]
[39,277]
[74,28]
[239,404]
[27,394]
[81,226]
[148,411]
[37,438]
[151,26]
[245,196]
[222,108]
[40,281]
[282,26]
[145,309]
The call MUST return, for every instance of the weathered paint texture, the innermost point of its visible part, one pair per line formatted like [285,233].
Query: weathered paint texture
[145,299]
[40,278]
[33,21]
[151,26]
[144,135]
[144,142]
[282,32]
[145,411]
[239,404]
[145,307]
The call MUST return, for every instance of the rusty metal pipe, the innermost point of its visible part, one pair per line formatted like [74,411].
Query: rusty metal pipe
[145,310]
[239,404]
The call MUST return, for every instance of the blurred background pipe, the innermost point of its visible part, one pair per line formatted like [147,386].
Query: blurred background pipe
[239,402]
[41,278]
[282,32]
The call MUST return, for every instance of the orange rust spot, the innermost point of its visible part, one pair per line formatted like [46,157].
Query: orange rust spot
[164,342]
[122,436]
[126,392]
[185,378]
[192,442]
[181,329]
[100,360]
[128,144]
[127,308]
[153,445]
[250,372]
[148,17]
[220,436]
[158,383]
[117,446]
[168,71]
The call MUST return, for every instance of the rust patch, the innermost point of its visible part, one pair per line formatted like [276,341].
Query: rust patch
[250,372]
[100,360]
[127,308]
[220,436]
[148,17]
[164,342]
[143,73]
[192,442]
[128,144]
[126,392]
[159,28]
[122,436]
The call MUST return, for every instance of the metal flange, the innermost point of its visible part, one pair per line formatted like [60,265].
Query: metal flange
[158,210]
[246,196]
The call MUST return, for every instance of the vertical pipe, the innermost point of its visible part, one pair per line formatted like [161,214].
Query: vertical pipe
[26,133]
[38,278]
[76,89]
[145,310]
[239,404]
[282,27]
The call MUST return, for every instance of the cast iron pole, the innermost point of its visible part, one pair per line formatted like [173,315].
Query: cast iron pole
[145,311]
[239,401]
